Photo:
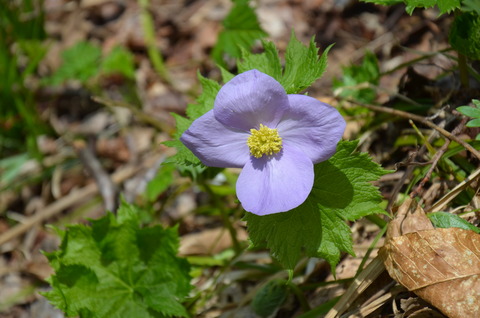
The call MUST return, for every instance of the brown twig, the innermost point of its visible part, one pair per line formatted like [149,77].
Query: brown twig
[423,120]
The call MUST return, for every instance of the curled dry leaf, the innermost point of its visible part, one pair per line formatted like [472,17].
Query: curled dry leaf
[442,266]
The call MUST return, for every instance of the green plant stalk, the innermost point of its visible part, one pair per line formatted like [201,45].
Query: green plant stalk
[300,296]
[226,220]
[149,33]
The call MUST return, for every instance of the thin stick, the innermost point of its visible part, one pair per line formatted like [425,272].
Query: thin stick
[442,202]
[421,119]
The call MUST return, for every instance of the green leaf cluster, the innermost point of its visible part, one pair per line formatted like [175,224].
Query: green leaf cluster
[355,80]
[204,103]
[115,268]
[303,66]
[270,297]
[241,29]
[473,112]
[465,34]
[317,228]
[84,61]
[445,6]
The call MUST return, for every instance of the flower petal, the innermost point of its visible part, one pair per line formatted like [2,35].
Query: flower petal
[312,126]
[250,99]
[277,184]
[216,145]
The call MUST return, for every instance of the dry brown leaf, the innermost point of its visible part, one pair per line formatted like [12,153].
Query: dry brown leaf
[442,266]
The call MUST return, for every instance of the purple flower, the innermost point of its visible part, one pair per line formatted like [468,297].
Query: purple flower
[276,138]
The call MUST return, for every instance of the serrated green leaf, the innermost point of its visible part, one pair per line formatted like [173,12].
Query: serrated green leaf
[303,66]
[270,297]
[469,111]
[119,61]
[226,75]
[203,104]
[465,34]
[206,99]
[241,29]
[412,4]
[317,228]
[446,6]
[447,220]
[267,62]
[115,268]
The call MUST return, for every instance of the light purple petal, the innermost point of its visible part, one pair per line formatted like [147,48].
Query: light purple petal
[216,145]
[250,99]
[278,184]
[312,126]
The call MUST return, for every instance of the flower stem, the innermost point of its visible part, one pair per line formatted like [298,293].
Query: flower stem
[226,220]
[300,296]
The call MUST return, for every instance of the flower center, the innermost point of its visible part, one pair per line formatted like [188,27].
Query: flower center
[264,141]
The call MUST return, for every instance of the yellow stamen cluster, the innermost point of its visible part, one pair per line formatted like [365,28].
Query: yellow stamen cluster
[264,141]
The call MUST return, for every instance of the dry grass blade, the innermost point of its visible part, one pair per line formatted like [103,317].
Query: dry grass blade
[440,204]
[359,285]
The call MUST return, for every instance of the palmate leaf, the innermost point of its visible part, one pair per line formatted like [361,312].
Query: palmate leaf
[303,65]
[317,228]
[114,268]
[445,6]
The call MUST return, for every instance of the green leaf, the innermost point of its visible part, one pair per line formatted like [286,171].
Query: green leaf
[241,29]
[160,182]
[303,66]
[412,4]
[115,268]
[355,79]
[471,5]
[317,228]
[80,62]
[465,34]
[226,75]
[266,62]
[203,104]
[473,123]
[469,111]
[446,6]
[119,61]
[205,101]
[446,220]
[270,297]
